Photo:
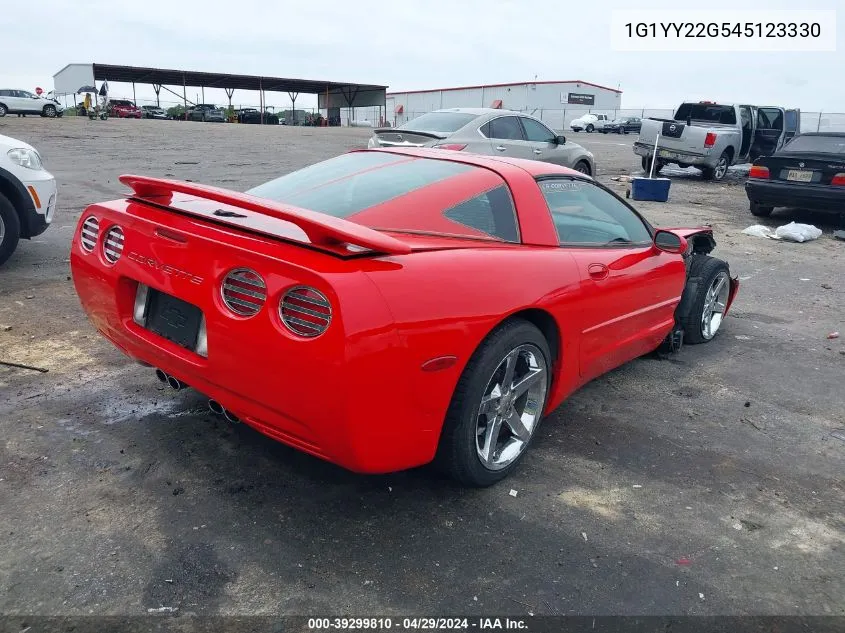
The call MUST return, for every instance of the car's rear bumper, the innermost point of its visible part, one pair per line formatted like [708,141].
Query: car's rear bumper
[674,155]
[344,397]
[801,195]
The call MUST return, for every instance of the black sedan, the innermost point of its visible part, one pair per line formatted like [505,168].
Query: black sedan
[807,173]
[623,125]
[253,115]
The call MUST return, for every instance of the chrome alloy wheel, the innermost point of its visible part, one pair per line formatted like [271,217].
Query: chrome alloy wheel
[511,406]
[2,229]
[714,305]
[721,168]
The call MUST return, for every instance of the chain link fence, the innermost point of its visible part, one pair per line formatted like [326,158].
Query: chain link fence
[556,118]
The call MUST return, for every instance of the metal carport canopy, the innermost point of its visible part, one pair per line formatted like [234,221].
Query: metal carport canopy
[364,94]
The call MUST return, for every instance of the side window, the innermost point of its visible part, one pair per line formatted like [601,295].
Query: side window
[492,212]
[25,94]
[536,131]
[5,93]
[507,128]
[485,130]
[586,214]
[769,119]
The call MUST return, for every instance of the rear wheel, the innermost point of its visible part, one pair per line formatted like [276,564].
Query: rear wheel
[497,405]
[3,109]
[583,167]
[713,286]
[646,164]
[590,127]
[10,229]
[718,172]
[760,211]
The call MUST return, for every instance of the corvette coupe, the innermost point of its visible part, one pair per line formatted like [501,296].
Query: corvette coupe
[392,307]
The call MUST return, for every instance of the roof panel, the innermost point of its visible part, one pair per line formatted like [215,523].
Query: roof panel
[137,74]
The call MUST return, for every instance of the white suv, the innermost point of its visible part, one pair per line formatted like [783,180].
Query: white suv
[23,102]
[27,195]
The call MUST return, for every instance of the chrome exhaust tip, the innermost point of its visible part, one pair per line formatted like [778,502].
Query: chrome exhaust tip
[215,407]
[175,383]
[231,417]
[162,377]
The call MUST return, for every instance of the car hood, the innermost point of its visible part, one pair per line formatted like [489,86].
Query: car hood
[7,143]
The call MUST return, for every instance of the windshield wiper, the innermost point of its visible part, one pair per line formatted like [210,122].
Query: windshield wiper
[620,240]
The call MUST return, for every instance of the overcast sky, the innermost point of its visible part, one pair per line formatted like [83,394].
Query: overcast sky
[407,44]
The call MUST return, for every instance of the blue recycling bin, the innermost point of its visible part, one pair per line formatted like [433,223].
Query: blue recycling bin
[653,189]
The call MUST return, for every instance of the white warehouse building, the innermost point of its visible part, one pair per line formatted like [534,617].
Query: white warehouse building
[554,102]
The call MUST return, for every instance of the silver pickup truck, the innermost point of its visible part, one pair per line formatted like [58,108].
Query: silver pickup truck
[713,136]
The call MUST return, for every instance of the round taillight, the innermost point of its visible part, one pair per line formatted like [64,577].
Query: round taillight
[305,311]
[88,234]
[244,292]
[113,244]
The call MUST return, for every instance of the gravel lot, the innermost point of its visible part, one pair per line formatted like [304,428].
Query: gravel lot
[710,483]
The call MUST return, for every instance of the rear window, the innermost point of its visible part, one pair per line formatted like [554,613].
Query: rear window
[447,122]
[812,143]
[353,182]
[709,112]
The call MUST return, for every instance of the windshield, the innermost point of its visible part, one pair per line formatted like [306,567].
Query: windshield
[447,122]
[816,144]
[709,112]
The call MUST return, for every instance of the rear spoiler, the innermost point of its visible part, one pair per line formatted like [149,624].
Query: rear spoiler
[406,131]
[321,229]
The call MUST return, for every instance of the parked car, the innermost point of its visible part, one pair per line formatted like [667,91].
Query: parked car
[588,122]
[808,173]
[124,109]
[713,136]
[486,131]
[622,125]
[24,102]
[206,112]
[367,278]
[253,115]
[154,112]
[27,195]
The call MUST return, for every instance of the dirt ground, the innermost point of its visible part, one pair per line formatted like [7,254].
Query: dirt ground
[709,483]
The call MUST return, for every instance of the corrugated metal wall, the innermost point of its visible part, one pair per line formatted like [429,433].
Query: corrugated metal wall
[546,101]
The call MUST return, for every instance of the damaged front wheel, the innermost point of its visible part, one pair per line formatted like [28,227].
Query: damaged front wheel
[712,280]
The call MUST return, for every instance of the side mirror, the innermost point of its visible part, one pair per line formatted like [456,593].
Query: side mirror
[561,140]
[669,242]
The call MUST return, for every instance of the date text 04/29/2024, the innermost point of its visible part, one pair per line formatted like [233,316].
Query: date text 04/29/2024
[417,624]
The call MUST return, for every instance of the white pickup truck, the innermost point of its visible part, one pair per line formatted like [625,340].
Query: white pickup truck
[713,136]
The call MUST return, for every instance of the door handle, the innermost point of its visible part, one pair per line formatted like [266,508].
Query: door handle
[538,151]
[598,271]
[500,148]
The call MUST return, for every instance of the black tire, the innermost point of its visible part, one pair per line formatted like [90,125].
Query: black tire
[3,110]
[702,273]
[583,167]
[11,229]
[49,111]
[457,455]
[646,165]
[720,171]
[760,211]
[590,128]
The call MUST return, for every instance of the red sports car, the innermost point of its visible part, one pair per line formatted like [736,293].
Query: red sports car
[387,308]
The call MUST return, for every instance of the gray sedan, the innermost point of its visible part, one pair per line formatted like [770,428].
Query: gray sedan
[487,131]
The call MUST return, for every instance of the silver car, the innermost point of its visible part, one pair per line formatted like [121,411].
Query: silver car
[487,131]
